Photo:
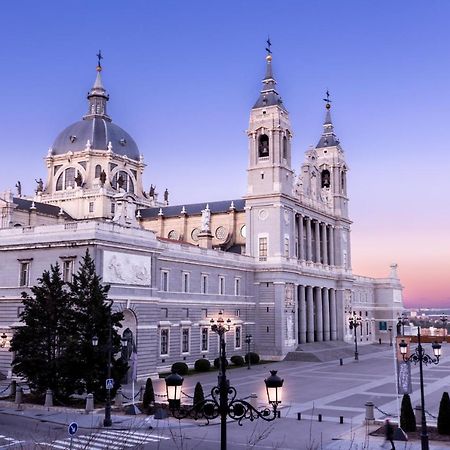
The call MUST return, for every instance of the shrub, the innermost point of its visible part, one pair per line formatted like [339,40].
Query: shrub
[149,394]
[254,358]
[407,418]
[217,363]
[202,365]
[443,421]
[181,368]
[199,396]
[237,360]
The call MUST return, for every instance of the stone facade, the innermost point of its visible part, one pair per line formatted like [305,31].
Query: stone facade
[277,261]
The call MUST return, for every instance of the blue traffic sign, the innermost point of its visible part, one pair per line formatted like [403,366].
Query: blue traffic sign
[72,429]
[109,383]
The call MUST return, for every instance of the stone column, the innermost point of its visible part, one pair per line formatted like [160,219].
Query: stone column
[308,239]
[324,244]
[326,314]
[333,323]
[302,249]
[301,315]
[317,233]
[309,314]
[340,314]
[332,258]
[319,313]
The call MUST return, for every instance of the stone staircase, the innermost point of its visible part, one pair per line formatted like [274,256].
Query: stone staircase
[330,350]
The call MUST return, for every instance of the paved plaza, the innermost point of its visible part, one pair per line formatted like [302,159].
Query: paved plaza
[326,388]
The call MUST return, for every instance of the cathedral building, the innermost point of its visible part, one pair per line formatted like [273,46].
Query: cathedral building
[276,261]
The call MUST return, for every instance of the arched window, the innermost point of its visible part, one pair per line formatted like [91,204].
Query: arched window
[98,170]
[67,179]
[325,178]
[285,147]
[343,182]
[263,146]
[123,180]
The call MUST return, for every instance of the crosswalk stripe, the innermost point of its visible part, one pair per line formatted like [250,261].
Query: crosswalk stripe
[135,437]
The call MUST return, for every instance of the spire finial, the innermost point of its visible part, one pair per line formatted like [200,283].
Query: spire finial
[327,100]
[99,61]
[268,49]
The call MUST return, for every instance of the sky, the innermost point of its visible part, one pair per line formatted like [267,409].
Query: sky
[183,76]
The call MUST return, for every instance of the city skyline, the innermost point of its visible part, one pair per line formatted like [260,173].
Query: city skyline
[185,98]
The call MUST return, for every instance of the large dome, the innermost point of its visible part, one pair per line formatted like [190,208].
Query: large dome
[99,132]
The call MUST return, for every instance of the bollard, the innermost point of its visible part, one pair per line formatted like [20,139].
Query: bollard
[319,417]
[418,414]
[341,419]
[48,398]
[118,400]
[341,362]
[89,403]
[369,411]
[141,393]
[278,414]
[299,416]
[254,400]
[13,387]
[19,397]
[379,341]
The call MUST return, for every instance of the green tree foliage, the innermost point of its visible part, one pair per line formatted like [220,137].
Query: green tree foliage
[407,418]
[95,318]
[443,421]
[149,394]
[42,344]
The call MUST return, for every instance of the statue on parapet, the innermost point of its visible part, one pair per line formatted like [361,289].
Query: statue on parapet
[40,185]
[19,189]
[103,177]
[151,192]
[166,196]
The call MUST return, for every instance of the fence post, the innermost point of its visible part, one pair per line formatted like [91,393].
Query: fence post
[369,411]
[13,389]
[89,403]
[254,400]
[141,393]
[48,398]
[118,400]
[341,361]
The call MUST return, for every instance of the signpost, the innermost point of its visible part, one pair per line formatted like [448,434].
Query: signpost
[109,383]
[72,429]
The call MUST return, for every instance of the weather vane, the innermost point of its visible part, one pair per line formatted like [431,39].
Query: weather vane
[327,100]
[269,44]
[100,57]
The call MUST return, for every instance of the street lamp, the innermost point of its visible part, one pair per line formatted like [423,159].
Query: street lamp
[4,339]
[248,341]
[419,356]
[354,323]
[223,401]
[390,335]
[402,321]
[444,324]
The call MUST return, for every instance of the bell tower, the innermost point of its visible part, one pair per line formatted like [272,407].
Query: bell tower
[269,134]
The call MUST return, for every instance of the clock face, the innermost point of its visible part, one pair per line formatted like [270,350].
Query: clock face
[244,231]
[194,234]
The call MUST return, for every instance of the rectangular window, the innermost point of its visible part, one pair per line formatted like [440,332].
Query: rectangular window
[204,284]
[164,341]
[237,313]
[204,313]
[185,340]
[67,270]
[113,208]
[91,207]
[221,285]
[237,338]
[24,277]
[165,281]
[185,312]
[185,282]
[262,252]
[164,313]
[205,339]
[237,286]
[382,326]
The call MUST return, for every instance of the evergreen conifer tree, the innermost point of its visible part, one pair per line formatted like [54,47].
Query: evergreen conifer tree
[41,345]
[95,318]
[443,421]
[199,396]
[407,417]
[149,394]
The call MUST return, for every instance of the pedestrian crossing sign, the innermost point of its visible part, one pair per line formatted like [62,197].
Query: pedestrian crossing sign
[109,383]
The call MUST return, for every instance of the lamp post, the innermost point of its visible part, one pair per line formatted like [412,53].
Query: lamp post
[248,341]
[390,335]
[402,321]
[444,324]
[354,323]
[107,422]
[3,340]
[419,356]
[223,401]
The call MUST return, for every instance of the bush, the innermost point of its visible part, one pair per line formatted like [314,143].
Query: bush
[180,368]
[149,394]
[407,418]
[202,365]
[217,363]
[237,360]
[443,421]
[254,358]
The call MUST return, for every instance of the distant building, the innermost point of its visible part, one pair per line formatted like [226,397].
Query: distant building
[277,261]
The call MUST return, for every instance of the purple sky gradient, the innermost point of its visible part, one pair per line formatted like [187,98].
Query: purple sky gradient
[183,76]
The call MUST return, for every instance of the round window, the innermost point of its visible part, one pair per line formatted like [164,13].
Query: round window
[244,231]
[173,235]
[195,233]
[221,233]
